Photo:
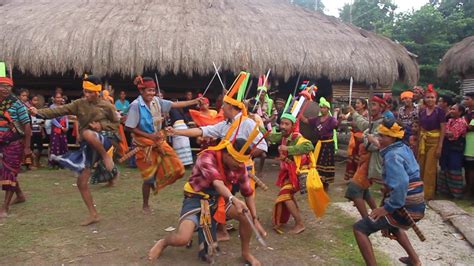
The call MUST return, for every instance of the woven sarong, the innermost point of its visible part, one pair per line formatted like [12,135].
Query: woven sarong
[281,215]
[159,161]
[11,150]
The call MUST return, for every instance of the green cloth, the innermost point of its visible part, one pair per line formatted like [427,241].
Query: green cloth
[304,147]
[87,112]
[469,149]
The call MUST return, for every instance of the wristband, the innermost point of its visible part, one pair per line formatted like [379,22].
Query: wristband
[230,199]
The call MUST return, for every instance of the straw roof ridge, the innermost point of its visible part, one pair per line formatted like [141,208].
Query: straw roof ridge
[459,59]
[130,37]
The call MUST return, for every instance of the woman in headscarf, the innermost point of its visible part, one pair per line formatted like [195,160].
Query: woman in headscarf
[323,126]
[15,134]
[408,113]
[432,128]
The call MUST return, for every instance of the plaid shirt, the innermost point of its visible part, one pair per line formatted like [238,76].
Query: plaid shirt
[206,171]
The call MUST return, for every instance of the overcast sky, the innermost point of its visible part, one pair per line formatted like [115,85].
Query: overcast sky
[332,6]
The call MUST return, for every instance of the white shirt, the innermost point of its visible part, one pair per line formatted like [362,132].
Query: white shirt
[220,129]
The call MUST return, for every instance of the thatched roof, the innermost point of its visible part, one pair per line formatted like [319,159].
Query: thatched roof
[129,37]
[459,59]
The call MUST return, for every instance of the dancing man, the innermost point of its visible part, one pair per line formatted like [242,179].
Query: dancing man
[98,124]
[158,163]
[216,169]
[403,202]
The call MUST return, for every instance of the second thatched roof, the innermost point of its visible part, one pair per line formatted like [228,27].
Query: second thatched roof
[459,59]
[129,37]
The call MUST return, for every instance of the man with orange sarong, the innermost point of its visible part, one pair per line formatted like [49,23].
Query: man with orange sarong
[158,163]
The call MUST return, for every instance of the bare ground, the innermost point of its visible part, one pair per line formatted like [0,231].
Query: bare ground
[45,231]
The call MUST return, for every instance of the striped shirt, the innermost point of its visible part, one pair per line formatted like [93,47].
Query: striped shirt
[17,111]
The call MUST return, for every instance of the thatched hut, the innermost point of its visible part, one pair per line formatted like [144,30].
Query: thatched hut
[181,39]
[459,61]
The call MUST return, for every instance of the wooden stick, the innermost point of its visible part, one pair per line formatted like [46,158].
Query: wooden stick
[414,226]
[210,82]
[129,154]
[259,182]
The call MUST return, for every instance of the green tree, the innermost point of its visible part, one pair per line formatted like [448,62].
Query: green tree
[310,4]
[372,15]
[430,31]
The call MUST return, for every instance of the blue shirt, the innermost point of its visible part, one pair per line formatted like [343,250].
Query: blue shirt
[17,112]
[122,107]
[400,168]
[146,118]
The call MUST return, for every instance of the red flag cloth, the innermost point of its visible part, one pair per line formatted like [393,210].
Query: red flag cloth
[202,119]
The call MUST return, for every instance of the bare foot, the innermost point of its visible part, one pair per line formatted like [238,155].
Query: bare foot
[222,236]
[298,228]
[408,261]
[108,163]
[19,199]
[278,230]
[156,250]
[3,214]
[110,183]
[251,260]
[91,220]
[147,210]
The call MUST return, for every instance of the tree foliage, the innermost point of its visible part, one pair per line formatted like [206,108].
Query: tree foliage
[317,5]
[428,32]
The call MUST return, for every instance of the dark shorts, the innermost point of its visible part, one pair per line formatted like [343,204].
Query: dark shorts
[355,192]
[368,226]
[190,205]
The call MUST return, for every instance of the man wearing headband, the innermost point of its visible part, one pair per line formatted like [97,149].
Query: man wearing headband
[264,106]
[15,135]
[378,109]
[236,125]
[216,169]
[408,113]
[98,125]
[293,147]
[144,121]
[403,196]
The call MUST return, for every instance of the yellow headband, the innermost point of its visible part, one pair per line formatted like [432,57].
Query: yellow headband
[87,85]
[395,131]
[236,103]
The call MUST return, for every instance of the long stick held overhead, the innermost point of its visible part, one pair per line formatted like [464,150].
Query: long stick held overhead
[219,76]
[157,84]
[210,82]
[350,90]
[299,73]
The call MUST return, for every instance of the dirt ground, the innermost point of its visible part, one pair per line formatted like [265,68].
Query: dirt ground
[45,231]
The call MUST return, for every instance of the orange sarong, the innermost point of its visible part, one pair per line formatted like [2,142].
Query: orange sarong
[158,160]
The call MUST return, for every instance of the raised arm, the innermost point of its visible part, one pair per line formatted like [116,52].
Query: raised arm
[67,109]
[185,103]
